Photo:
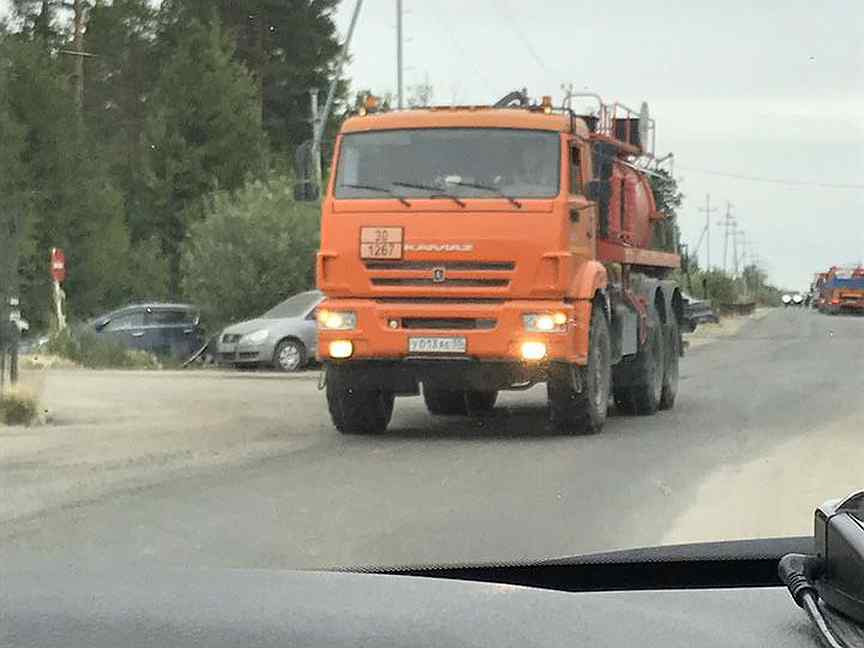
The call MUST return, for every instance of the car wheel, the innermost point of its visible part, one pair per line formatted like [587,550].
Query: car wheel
[290,355]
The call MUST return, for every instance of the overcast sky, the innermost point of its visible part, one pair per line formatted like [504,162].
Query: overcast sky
[769,89]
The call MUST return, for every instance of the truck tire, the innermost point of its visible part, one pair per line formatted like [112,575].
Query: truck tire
[445,402]
[478,403]
[641,394]
[670,369]
[584,413]
[357,411]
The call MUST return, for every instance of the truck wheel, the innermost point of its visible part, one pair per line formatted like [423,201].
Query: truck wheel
[357,411]
[584,413]
[643,393]
[480,402]
[670,372]
[445,402]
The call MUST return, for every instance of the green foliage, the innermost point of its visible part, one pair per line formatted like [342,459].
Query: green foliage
[283,64]
[179,100]
[39,19]
[252,250]
[89,350]
[667,199]
[67,197]
[118,81]
[722,288]
[203,134]
[18,408]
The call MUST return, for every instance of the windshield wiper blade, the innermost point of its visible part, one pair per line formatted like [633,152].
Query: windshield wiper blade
[401,199]
[437,193]
[496,190]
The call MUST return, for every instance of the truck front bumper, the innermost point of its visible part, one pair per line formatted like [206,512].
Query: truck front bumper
[492,331]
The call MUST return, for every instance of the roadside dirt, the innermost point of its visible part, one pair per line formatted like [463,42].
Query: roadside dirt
[110,429]
[707,333]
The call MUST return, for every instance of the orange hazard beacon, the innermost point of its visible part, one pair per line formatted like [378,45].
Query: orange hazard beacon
[472,249]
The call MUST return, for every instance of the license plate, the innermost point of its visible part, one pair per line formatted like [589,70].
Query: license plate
[381,243]
[437,345]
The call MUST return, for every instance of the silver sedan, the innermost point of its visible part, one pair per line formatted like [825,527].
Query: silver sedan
[284,337]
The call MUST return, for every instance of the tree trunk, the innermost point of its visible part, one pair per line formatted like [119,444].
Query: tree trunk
[78,47]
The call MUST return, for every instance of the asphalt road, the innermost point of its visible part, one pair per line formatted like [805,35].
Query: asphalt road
[768,424]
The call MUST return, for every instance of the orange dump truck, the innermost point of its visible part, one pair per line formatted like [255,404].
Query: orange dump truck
[468,250]
[842,289]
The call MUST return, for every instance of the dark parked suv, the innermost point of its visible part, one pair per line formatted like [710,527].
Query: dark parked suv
[163,329]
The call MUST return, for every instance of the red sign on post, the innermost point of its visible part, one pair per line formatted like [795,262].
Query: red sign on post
[58,265]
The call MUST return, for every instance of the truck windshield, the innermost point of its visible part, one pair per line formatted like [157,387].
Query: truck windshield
[465,162]
[849,283]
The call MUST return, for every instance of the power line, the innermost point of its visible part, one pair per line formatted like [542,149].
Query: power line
[505,10]
[783,181]
[708,210]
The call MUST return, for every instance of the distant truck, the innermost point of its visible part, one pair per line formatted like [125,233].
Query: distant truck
[842,290]
[476,249]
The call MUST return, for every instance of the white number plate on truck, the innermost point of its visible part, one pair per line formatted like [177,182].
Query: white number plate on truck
[437,345]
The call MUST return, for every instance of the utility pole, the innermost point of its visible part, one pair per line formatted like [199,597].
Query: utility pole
[316,162]
[11,225]
[331,93]
[739,236]
[399,95]
[77,52]
[728,224]
[708,209]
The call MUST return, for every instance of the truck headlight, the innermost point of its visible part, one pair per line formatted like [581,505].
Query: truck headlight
[255,337]
[545,322]
[533,350]
[337,320]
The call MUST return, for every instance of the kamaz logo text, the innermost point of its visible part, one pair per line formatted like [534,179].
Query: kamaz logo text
[439,247]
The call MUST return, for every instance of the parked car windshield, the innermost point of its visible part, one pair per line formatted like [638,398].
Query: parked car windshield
[466,162]
[293,306]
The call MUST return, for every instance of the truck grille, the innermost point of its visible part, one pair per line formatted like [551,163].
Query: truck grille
[441,274]
[449,323]
[420,281]
[447,265]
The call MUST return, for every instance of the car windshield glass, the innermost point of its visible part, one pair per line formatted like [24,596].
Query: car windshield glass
[464,162]
[577,278]
[295,306]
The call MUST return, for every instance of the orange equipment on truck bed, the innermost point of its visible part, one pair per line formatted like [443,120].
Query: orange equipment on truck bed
[472,249]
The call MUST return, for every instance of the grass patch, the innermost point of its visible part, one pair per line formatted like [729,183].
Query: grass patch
[18,408]
[89,350]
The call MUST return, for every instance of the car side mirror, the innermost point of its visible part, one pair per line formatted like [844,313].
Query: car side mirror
[101,324]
